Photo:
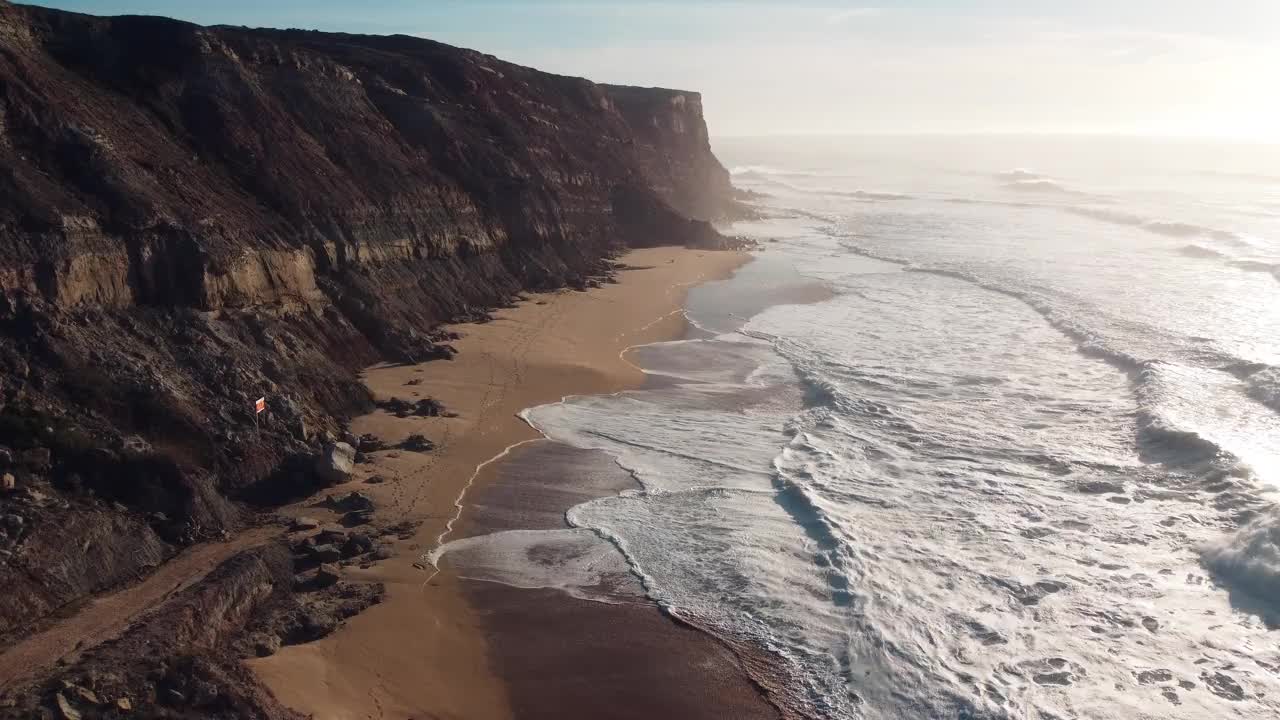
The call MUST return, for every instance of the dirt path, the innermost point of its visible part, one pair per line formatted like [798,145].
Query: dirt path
[107,616]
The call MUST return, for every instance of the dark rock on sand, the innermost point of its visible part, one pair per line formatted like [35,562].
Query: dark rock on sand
[357,517]
[357,544]
[370,443]
[331,534]
[417,443]
[354,500]
[426,407]
[326,553]
[327,575]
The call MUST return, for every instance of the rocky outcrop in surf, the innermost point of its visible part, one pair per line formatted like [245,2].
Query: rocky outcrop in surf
[194,218]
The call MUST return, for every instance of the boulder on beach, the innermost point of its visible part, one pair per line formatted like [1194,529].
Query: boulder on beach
[331,534]
[370,443]
[357,517]
[352,501]
[304,523]
[327,574]
[357,544]
[326,553]
[417,443]
[426,407]
[336,463]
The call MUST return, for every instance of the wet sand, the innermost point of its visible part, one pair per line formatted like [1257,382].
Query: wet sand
[425,651]
[563,657]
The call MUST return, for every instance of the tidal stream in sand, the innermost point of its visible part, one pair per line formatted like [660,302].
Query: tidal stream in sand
[1020,463]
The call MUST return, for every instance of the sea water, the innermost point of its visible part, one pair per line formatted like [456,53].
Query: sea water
[1020,463]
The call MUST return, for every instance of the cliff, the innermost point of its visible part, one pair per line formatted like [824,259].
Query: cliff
[148,161]
[193,217]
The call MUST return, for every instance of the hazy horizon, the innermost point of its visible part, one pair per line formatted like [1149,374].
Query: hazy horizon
[1178,69]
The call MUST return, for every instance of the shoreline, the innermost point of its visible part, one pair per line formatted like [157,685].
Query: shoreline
[611,652]
[424,649]
[574,632]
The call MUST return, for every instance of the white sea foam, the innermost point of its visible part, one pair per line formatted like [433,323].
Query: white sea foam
[577,562]
[1015,468]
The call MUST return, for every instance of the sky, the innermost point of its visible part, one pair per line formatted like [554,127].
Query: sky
[1180,68]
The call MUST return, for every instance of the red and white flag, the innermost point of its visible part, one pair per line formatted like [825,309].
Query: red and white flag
[261,405]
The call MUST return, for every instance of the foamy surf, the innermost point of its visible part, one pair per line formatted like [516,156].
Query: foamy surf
[1017,464]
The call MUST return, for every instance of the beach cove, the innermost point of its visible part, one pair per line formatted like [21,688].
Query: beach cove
[423,651]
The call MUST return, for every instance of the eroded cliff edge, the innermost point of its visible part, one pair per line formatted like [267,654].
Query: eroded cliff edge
[192,217]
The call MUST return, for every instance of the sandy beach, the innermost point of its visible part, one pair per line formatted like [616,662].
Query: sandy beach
[562,656]
[422,652]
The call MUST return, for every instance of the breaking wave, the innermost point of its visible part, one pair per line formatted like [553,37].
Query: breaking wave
[1163,432]
[765,171]
[1043,185]
[1200,251]
[1264,386]
[1167,228]
[865,195]
[1173,455]
[1020,175]
[862,194]
[1245,264]
[1249,560]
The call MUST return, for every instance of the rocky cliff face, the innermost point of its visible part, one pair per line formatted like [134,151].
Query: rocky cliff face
[191,218]
[147,161]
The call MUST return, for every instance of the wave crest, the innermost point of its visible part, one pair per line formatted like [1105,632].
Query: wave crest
[1019,174]
[1264,386]
[1168,228]
[1043,185]
[764,170]
[1250,559]
[1200,251]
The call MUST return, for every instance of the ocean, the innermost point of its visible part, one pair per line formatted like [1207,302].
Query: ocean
[1016,457]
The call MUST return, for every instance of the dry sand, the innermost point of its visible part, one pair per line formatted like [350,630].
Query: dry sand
[422,653]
